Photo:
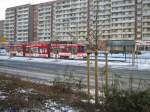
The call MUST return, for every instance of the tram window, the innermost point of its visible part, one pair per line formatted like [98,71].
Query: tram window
[27,50]
[73,50]
[56,50]
[82,49]
[61,49]
[34,50]
[42,50]
[64,49]
[18,49]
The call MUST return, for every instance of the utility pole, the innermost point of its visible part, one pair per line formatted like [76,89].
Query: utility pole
[135,33]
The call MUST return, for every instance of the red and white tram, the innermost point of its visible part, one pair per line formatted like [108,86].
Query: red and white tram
[53,50]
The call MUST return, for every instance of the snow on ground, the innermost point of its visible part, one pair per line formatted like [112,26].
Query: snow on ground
[24,91]
[115,61]
[56,107]
[2,97]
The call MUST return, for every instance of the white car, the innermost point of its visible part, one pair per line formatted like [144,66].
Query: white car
[3,52]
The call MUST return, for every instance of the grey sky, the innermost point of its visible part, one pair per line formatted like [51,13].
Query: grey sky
[10,3]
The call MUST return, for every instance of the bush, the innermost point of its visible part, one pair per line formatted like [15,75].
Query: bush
[124,101]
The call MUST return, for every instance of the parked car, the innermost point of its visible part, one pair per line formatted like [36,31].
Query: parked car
[3,51]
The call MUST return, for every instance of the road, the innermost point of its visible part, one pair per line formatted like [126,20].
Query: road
[48,71]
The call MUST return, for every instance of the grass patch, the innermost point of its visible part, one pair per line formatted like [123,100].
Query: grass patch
[20,94]
[25,94]
[125,101]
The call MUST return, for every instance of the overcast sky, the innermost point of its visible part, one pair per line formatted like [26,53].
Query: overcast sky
[10,3]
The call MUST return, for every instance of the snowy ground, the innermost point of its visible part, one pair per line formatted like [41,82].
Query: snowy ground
[10,98]
[115,61]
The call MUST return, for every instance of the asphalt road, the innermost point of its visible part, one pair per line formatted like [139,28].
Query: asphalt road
[76,71]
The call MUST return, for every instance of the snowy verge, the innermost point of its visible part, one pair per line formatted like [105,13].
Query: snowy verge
[139,65]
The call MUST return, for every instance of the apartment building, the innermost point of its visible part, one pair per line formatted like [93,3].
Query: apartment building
[117,19]
[10,24]
[35,23]
[70,20]
[18,23]
[146,20]
[122,19]
[1,28]
[24,20]
[27,23]
[44,21]
[102,18]
[66,20]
